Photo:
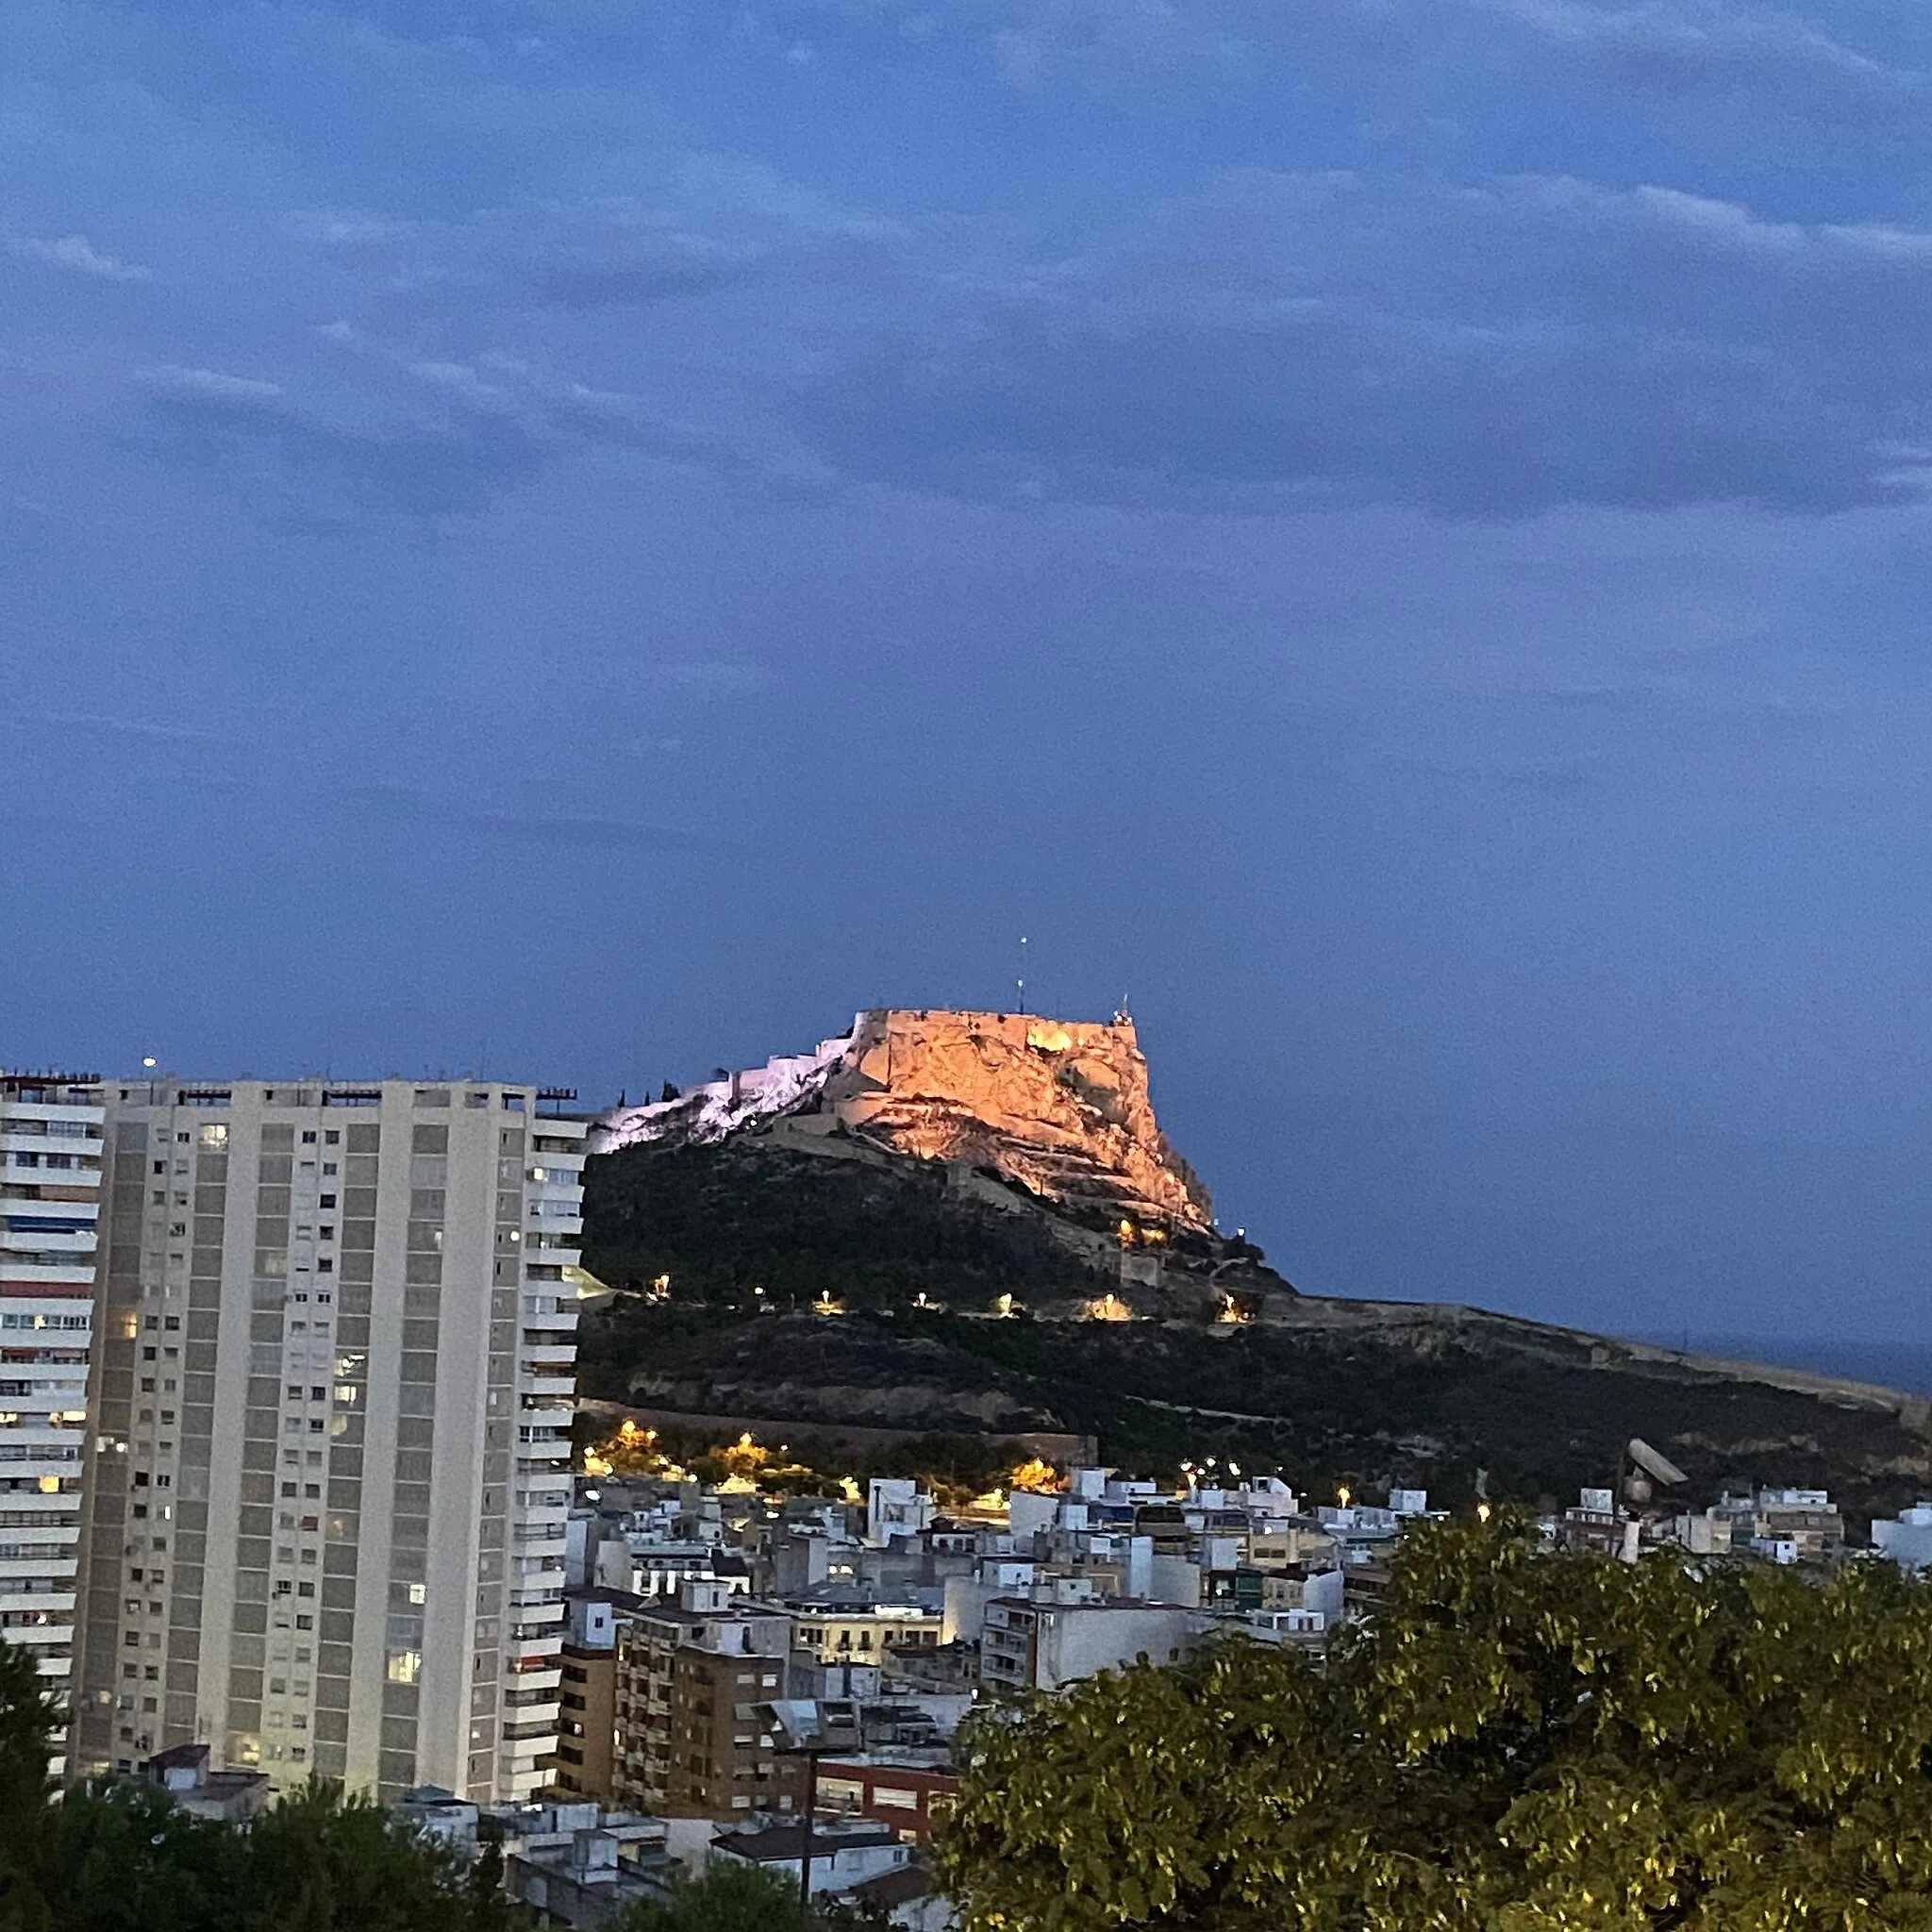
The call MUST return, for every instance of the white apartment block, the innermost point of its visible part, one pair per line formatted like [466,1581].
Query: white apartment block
[331,1448]
[50,1193]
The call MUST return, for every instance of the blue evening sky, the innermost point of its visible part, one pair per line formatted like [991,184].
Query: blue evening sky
[595,536]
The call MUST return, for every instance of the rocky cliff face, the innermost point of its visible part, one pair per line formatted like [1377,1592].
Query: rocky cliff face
[1060,1107]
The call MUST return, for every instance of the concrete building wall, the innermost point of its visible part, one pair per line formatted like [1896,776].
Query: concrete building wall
[585,1764]
[351,1521]
[50,1204]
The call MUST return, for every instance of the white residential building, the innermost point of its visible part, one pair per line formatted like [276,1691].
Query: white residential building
[1906,1538]
[330,1464]
[1031,1645]
[50,1196]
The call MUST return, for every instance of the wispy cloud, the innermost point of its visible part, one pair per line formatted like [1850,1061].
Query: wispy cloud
[213,383]
[409,805]
[78,255]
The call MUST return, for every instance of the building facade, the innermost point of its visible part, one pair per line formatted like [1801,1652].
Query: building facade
[691,1741]
[329,1465]
[585,1765]
[50,1194]
[1029,1645]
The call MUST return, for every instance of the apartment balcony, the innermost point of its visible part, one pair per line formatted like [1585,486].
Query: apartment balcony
[518,1755]
[48,1504]
[551,1386]
[531,1648]
[540,1355]
[525,1747]
[48,1603]
[544,1674]
[533,1716]
[19,1136]
[57,1565]
[66,1195]
[63,1242]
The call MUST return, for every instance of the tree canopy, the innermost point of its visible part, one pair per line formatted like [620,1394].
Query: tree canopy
[728,1897]
[1520,1741]
[117,1855]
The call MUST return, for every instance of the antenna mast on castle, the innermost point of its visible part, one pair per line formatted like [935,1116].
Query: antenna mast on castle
[1023,972]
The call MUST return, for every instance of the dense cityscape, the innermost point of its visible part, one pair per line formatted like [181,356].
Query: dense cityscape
[294,1496]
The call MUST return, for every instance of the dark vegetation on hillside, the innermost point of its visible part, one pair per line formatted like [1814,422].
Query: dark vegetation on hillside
[724,1220]
[1427,1406]
[1320,1408]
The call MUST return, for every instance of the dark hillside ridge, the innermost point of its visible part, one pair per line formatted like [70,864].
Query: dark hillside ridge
[1416,1393]
[838,1217]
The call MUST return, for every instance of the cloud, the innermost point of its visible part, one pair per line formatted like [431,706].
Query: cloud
[1493,348]
[1690,35]
[76,253]
[410,804]
[677,224]
[341,463]
[1665,49]
[578,834]
[212,384]
[1481,341]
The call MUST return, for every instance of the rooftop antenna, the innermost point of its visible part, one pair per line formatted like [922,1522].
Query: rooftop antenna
[1023,972]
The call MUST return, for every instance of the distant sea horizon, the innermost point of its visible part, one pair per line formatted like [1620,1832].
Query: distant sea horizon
[1894,1365]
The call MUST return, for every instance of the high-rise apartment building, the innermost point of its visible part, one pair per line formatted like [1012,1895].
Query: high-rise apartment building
[330,1455]
[50,1192]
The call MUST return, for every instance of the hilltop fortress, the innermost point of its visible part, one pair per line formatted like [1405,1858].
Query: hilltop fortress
[1060,1106]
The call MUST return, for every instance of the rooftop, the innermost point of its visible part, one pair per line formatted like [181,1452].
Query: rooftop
[779,1842]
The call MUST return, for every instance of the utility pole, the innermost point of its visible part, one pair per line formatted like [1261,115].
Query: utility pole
[812,1754]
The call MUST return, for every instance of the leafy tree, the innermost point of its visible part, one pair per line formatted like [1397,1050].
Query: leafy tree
[29,1718]
[1520,1743]
[728,1896]
[323,1861]
[115,1856]
[120,1857]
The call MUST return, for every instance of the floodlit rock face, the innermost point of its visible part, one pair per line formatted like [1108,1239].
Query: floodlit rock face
[1059,1105]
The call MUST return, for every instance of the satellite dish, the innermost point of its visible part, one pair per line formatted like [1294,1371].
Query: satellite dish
[1654,1463]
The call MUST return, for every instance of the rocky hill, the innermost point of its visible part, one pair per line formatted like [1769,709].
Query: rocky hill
[947,1223]
[1060,1106]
